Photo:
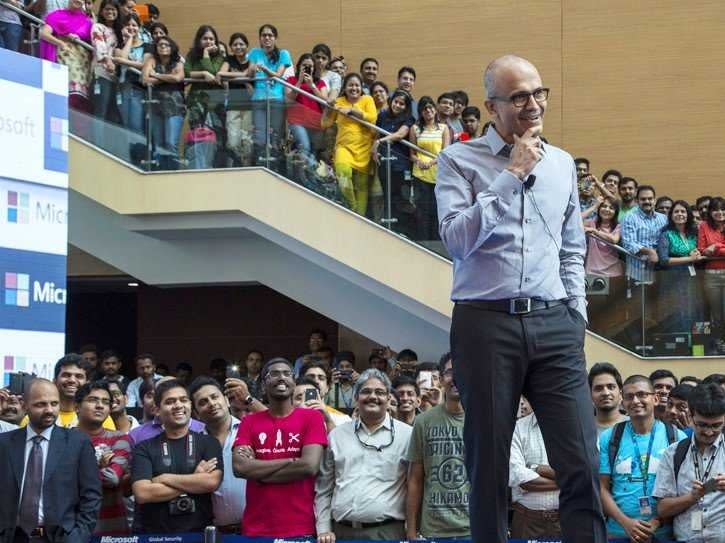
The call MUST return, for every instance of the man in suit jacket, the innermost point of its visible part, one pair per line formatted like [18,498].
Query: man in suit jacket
[68,494]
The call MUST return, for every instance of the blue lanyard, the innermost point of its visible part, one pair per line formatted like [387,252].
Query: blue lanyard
[644,467]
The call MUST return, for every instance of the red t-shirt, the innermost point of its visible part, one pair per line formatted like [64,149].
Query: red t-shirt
[280,509]
[305,111]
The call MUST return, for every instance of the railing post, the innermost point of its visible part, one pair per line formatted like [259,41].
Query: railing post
[388,220]
[149,163]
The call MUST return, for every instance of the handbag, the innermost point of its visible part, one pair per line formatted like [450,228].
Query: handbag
[200,134]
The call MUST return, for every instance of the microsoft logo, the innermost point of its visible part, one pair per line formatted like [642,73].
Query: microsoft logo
[14,363]
[17,289]
[18,207]
[59,133]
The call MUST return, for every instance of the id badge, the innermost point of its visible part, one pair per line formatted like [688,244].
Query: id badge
[645,509]
[692,271]
[119,99]
[97,88]
[407,176]
[696,520]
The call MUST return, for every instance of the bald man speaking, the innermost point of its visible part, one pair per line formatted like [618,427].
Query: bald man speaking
[509,215]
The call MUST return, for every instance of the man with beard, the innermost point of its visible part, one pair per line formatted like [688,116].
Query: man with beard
[640,232]
[437,480]
[278,451]
[212,408]
[121,419]
[93,401]
[627,188]
[175,473]
[69,377]
[360,493]
[605,383]
[12,407]
[51,491]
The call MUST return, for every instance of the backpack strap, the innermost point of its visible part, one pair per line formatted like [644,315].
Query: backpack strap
[680,453]
[617,433]
[671,433]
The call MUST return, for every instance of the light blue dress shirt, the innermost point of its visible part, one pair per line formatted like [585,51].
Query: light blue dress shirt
[507,241]
[230,498]
[641,230]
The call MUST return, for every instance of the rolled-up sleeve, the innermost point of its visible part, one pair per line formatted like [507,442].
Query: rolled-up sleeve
[573,250]
[467,219]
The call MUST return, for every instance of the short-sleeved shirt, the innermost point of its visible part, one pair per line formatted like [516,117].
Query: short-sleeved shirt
[281,509]
[392,123]
[259,57]
[627,485]
[305,111]
[437,442]
[149,462]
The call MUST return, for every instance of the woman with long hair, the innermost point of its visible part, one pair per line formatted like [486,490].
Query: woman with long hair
[433,136]
[304,115]
[678,253]
[711,243]
[270,61]
[58,44]
[164,70]
[105,40]
[396,118]
[239,112]
[354,141]
[603,232]
[130,54]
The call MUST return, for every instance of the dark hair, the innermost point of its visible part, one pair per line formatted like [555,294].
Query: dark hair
[184,366]
[121,384]
[379,84]
[109,353]
[324,49]
[142,356]
[462,97]
[716,204]
[425,366]
[303,380]
[199,382]
[327,349]
[71,359]
[260,353]
[636,378]
[707,400]
[642,188]
[701,199]
[237,35]
[88,348]
[348,77]
[717,378]
[158,24]
[218,364]
[99,17]
[471,110]
[662,374]
[319,332]
[443,360]
[174,56]
[682,392]
[625,180]
[404,380]
[369,59]
[408,103]
[344,355]
[581,160]
[197,51]
[612,172]
[408,69]
[690,378]
[146,386]
[315,364]
[277,360]
[604,368]
[163,387]
[423,103]
[273,55]
[662,199]
[615,204]
[690,226]
[315,71]
[123,21]
[408,353]
[86,389]
[447,96]
[153,9]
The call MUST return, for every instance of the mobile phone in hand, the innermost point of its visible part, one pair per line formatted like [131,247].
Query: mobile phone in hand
[710,486]
[311,394]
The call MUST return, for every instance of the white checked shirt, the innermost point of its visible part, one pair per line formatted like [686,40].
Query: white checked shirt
[527,447]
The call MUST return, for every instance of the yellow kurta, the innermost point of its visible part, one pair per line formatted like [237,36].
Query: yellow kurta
[354,141]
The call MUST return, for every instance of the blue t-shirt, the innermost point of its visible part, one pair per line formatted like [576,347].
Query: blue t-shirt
[627,484]
[391,123]
[276,90]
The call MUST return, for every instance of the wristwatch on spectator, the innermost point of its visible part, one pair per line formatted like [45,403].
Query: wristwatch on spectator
[534,467]
[249,399]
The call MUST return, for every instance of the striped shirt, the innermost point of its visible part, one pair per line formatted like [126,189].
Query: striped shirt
[639,230]
[112,516]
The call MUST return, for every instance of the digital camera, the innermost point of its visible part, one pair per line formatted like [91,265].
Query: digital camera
[182,505]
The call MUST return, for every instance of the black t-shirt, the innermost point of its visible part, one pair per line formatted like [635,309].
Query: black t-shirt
[148,462]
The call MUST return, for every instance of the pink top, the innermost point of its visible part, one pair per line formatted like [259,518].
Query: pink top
[601,258]
[280,509]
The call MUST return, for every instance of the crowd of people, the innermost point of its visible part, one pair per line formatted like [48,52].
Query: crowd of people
[361,450]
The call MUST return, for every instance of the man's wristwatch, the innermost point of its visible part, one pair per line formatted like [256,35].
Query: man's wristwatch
[249,399]
[534,467]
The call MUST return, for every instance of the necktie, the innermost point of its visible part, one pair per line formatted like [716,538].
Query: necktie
[506,150]
[30,502]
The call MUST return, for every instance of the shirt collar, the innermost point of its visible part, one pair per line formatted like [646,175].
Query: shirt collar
[387,424]
[494,140]
[30,433]
[714,447]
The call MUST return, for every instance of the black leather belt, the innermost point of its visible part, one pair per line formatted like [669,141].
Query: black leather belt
[513,306]
[358,525]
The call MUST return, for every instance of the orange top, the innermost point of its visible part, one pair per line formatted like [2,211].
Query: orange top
[707,236]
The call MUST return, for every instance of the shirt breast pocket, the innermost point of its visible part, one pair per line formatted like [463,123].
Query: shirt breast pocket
[388,469]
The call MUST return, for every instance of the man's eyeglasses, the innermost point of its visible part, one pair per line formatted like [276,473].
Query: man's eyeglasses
[520,99]
[716,426]
[381,392]
[642,395]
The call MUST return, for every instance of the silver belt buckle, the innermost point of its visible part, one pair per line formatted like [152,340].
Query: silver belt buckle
[520,306]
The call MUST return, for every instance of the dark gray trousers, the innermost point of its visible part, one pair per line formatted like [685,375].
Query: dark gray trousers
[496,358]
